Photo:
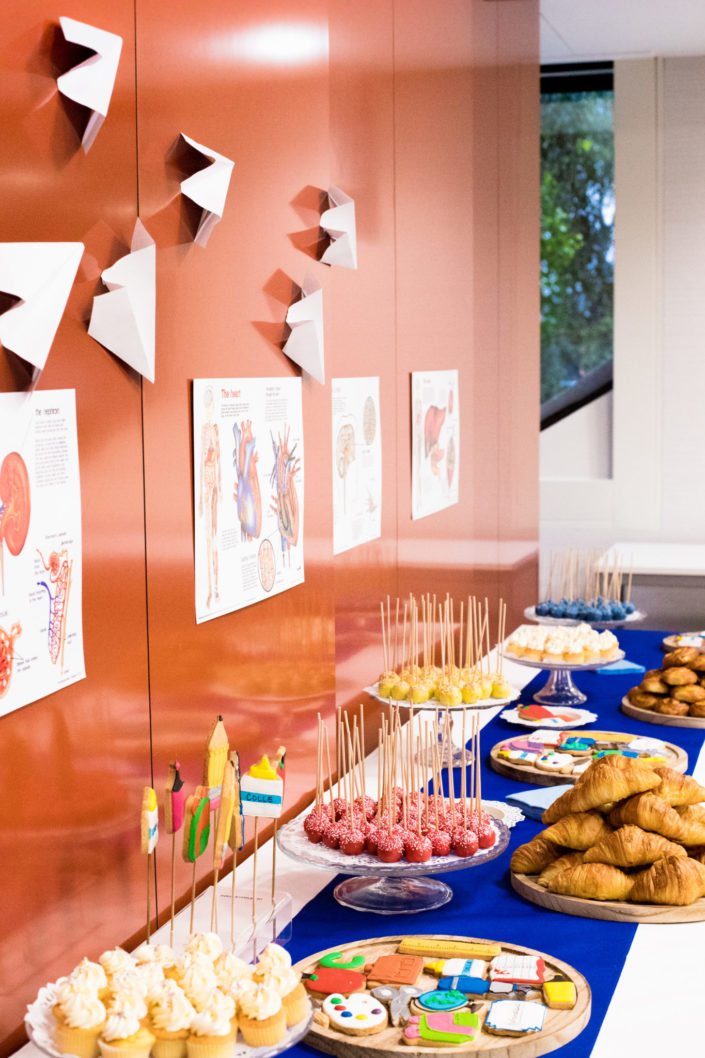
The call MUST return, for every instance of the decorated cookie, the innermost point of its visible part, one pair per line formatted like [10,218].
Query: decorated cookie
[455,967]
[448,948]
[546,737]
[533,711]
[560,762]
[559,994]
[511,1017]
[397,1000]
[469,986]
[646,745]
[518,969]
[439,999]
[396,969]
[335,959]
[578,746]
[327,980]
[446,1029]
[528,745]
[520,757]
[359,1014]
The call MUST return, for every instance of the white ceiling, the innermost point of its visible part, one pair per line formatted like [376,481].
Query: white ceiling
[580,30]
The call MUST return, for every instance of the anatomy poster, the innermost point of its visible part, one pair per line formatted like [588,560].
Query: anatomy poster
[435,422]
[41,625]
[249,491]
[357,462]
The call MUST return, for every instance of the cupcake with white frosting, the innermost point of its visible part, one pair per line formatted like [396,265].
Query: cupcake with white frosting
[213,1028]
[79,1019]
[124,1036]
[261,1016]
[170,1017]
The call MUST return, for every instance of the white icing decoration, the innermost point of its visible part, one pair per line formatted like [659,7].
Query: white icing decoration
[516,1015]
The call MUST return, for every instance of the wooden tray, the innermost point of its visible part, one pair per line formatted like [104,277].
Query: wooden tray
[650,717]
[536,777]
[560,1026]
[614,910]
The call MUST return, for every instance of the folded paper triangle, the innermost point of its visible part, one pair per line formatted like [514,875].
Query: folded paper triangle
[41,274]
[208,188]
[305,343]
[91,82]
[339,223]
[123,320]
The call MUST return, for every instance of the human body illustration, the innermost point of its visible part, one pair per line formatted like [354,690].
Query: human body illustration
[435,417]
[210,492]
[247,494]
[59,569]
[7,653]
[344,456]
[14,508]
[285,501]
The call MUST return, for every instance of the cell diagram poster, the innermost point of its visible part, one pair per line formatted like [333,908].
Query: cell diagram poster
[435,435]
[248,491]
[41,618]
[357,462]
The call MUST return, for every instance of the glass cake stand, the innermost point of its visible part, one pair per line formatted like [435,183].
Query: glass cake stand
[572,622]
[559,688]
[452,755]
[386,888]
[40,1021]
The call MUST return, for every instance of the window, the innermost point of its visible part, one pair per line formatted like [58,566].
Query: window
[577,236]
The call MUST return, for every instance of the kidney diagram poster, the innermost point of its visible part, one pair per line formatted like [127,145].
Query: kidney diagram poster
[435,432]
[41,620]
[357,462]
[248,491]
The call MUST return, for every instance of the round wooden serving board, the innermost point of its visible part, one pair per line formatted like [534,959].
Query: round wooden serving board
[560,1026]
[536,777]
[614,910]
[650,717]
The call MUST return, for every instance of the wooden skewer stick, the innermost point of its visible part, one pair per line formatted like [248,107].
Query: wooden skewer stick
[193,897]
[463,776]
[254,875]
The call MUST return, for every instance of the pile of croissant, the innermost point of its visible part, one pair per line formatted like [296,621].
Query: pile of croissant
[625,831]
[678,689]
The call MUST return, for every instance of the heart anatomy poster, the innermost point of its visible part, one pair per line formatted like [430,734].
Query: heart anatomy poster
[41,620]
[248,491]
[435,435]
[357,462]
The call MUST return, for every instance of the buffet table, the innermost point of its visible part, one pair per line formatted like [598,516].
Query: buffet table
[647,981]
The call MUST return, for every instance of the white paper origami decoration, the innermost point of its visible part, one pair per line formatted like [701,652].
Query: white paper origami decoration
[208,188]
[339,223]
[41,274]
[123,320]
[91,82]
[305,343]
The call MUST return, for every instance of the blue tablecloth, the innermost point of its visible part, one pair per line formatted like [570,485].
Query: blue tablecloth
[484,904]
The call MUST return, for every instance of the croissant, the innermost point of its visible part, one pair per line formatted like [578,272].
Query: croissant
[631,846]
[533,857]
[693,823]
[671,707]
[650,813]
[571,859]
[610,778]
[594,881]
[579,830]
[678,789]
[678,676]
[680,656]
[674,880]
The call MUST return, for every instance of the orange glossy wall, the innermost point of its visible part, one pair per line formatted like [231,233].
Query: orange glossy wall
[427,115]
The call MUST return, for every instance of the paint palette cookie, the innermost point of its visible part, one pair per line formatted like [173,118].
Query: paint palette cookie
[468,993]
[359,1014]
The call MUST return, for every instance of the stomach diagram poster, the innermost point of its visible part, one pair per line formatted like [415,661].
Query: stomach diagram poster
[435,433]
[248,491]
[41,609]
[357,462]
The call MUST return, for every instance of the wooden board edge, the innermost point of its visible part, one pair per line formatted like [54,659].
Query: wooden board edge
[649,717]
[606,910]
